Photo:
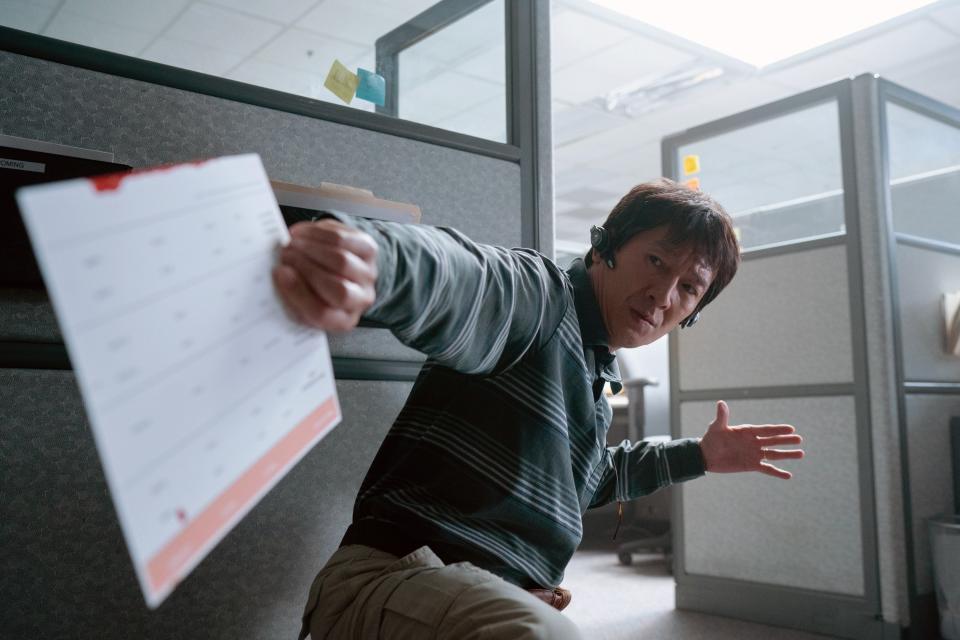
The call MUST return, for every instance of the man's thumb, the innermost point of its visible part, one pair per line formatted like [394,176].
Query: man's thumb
[723,416]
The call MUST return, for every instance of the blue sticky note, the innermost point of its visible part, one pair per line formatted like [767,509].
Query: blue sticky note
[372,87]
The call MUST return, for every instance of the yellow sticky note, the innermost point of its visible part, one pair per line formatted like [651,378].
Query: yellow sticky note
[736,233]
[691,164]
[341,81]
[693,183]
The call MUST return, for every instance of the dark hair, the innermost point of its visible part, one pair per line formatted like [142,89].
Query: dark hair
[693,218]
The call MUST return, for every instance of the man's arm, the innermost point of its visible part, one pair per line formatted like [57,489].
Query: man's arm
[471,307]
[638,469]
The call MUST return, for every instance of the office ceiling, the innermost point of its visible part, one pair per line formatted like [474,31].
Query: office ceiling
[600,154]
[619,86]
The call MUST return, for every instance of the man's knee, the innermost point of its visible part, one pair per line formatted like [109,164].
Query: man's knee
[496,609]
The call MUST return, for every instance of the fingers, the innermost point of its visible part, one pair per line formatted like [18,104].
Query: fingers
[767,430]
[336,260]
[332,288]
[776,472]
[781,454]
[780,440]
[331,233]
[305,306]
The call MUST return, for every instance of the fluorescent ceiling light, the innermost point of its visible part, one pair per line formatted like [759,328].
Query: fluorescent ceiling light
[761,32]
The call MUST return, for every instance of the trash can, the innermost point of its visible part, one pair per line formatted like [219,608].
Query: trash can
[945,552]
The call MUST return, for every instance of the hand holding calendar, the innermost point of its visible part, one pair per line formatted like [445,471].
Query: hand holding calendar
[201,392]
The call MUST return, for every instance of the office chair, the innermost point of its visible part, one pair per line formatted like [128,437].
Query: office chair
[651,534]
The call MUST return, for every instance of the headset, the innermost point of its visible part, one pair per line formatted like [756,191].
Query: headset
[601,241]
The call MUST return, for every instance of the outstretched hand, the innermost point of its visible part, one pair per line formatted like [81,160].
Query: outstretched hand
[747,447]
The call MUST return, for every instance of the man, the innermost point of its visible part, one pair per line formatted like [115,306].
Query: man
[476,494]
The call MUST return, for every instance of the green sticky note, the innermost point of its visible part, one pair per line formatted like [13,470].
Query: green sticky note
[372,87]
[341,81]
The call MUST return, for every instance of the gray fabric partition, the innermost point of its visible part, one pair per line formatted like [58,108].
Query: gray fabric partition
[145,124]
[66,571]
[784,320]
[762,529]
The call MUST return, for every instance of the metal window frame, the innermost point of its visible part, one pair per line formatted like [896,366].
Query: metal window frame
[523,47]
[415,30]
[823,612]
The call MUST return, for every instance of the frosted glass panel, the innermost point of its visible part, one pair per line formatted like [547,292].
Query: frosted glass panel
[780,179]
[924,175]
[455,78]
[803,532]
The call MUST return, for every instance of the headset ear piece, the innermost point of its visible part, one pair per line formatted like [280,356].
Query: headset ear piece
[600,241]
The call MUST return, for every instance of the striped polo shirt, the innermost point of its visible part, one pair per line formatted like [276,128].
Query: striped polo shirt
[501,445]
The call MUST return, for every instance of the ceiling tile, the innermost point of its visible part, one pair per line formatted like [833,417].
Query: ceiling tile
[284,11]
[630,61]
[578,176]
[95,33]
[26,15]
[144,15]
[217,28]
[949,17]
[933,78]
[578,122]
[562,206]
[444,96]
[887,50]
[188,55]
[475,33]
[485,120]
[589,194]
[490,64]
[308,51]
[360,23]
[575,35]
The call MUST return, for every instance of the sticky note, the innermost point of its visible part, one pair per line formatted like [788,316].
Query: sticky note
[372,87]
[693,183]
[691,164]
[341,81]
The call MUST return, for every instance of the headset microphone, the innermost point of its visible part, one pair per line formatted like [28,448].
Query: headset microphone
[690,320]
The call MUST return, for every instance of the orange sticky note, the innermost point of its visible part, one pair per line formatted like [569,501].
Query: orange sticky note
[691,164]
[341,81]
[693,183]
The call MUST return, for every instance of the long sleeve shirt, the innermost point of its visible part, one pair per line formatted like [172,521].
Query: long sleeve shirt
[501,445]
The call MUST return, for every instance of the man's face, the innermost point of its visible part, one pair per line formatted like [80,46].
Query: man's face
[652,287]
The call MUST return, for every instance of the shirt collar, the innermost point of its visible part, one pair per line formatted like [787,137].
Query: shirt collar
[592,330]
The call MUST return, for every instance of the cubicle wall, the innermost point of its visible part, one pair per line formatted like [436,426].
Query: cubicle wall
[850,236]
[785,343]
[922,143]
[64,568]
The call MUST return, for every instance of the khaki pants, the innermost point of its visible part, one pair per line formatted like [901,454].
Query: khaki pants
[365,593]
